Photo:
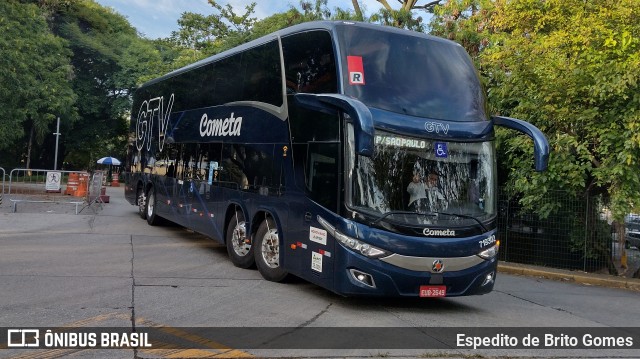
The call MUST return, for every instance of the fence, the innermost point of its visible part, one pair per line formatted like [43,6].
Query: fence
[3,173]
[47,186]
[577,235]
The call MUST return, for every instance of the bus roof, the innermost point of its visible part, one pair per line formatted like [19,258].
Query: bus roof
[307,26]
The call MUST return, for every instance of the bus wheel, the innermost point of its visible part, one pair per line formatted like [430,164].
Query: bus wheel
[152,219]
[267,252]
[238,244]
[142,203]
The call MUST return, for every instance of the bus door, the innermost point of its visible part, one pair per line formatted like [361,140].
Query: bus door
[322,188]
[203,192]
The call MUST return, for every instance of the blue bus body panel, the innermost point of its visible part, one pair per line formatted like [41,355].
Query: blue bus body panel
[476,131]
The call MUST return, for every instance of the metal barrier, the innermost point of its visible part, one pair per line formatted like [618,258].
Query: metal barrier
[577,235]
[48,186]
[3,173]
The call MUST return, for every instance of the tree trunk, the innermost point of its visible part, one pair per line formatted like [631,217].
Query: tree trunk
[619,228]
[29,146]
[356,8]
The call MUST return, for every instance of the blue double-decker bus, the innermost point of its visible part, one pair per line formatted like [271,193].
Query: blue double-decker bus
[358,157]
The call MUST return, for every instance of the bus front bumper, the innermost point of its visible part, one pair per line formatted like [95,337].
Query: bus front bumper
[375,277]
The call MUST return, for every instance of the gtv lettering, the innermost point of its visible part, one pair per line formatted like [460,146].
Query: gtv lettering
[436,127]
[150,110]
[230,126]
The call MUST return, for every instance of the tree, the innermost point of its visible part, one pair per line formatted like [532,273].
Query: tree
[109,61]
[403,17]
[34,82]
[572,69]
[465,21]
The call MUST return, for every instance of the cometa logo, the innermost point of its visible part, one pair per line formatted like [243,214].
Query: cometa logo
[230,126]
[438,232]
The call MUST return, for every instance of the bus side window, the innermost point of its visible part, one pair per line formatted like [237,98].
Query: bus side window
[322,174]
[310,63]
[233,163]
[263,76]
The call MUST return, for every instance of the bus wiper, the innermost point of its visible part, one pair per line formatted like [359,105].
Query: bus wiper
[464,216]
[390,213]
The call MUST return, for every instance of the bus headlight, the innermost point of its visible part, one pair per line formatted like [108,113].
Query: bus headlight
[352,243]
[490,252]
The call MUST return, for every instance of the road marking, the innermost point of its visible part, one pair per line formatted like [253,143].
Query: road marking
[196,339]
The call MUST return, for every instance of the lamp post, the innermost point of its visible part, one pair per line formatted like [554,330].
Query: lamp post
[57,133]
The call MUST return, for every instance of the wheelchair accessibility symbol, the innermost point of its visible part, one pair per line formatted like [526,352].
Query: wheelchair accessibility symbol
[441,150]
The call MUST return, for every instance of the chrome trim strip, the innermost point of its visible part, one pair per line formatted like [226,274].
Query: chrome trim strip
[424,264]
[330,229]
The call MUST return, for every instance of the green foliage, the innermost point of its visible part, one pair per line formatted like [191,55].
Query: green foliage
[110,60]
[34,87]
[464,21]
[571,68]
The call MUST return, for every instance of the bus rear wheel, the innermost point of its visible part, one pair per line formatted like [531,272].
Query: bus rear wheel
[238,244]
[142,203]
[267,252]
[152,218]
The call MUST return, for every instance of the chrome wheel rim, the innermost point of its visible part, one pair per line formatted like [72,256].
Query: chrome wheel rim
[238,239]
[142,200]
[150,205]
[271,249]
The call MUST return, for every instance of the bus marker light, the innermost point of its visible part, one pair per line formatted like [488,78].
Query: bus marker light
[488,279]
[293,246]
[363,278]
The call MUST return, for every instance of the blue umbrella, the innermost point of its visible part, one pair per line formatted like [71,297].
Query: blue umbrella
[109,161]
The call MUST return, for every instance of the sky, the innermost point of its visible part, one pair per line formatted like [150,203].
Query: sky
[158,18]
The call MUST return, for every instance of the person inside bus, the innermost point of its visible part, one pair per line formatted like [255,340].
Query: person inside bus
[434,194]
[425,196]
[234,166]
[417,192]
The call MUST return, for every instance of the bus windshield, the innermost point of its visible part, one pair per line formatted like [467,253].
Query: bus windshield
[417,181]
[411,75]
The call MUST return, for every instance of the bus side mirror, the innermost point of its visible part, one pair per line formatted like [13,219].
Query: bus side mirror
[540,143]
[362,118]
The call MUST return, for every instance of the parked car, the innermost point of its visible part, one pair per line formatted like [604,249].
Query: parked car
[632,231]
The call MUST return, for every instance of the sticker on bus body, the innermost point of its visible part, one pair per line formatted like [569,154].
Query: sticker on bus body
[356,70]
[316,261]
[441,150]
[318,235]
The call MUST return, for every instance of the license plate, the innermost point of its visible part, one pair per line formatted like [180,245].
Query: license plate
[433,291]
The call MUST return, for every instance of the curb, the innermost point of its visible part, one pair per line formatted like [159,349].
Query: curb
[567,275]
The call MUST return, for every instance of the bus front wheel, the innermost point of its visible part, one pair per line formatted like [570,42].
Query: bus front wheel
[267,252]
[238,244]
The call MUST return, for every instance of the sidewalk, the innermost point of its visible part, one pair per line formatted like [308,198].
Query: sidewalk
[567,275]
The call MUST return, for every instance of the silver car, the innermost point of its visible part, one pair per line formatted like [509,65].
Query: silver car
[632,231]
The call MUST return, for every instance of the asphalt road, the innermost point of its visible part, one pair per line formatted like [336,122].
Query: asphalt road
[110,269]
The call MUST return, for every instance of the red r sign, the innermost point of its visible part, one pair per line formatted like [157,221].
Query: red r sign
[356,70]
